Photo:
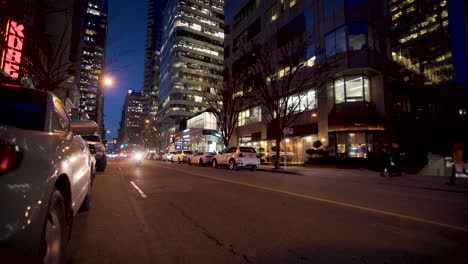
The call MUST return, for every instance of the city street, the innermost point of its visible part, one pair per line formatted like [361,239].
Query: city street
[171,213]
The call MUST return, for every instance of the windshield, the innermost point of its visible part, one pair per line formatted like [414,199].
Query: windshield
[91,138]
[245,149]
[23,108]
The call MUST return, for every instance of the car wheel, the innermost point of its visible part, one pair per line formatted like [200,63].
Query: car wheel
[178,159]
[54,236]
[232,165]
[189,162]
[215,164]
[254,168]
[172,161]
[200,162]
[86,205]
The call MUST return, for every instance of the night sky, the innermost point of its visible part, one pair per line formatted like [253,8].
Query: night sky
[125,57]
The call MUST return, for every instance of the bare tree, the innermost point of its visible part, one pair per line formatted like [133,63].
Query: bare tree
[281,79]
[50,65]
[225,104]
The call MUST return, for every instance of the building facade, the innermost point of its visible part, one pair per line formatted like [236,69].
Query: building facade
[93,62]
[191,62]
[132,120]
[152,65]
[347,109]
[200,135]
[153,52]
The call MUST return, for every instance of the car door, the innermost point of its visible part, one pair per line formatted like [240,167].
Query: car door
[226,155]
[75,153]
[219,157]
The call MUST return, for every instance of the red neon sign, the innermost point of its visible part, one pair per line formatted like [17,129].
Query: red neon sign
[12,55]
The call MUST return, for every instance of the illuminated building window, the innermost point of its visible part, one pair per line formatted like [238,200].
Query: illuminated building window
[93,12]
[248,116]
[351,89]
[90,32]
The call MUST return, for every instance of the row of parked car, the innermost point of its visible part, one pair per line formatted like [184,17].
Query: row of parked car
[233,157]
[48,163]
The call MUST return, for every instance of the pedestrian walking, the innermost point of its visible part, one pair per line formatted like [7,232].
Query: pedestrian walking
[457,157]
[385,159]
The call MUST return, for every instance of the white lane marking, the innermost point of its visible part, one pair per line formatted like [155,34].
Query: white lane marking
[119,168]
[138,189]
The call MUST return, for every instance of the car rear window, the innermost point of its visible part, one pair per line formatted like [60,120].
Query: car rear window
[23,108]
[91,138]
[245,149]
[188,152]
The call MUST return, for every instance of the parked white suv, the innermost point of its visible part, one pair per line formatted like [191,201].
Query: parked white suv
[237,157]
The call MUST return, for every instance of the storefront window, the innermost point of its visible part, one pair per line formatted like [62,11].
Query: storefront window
[352,89]
[353,144]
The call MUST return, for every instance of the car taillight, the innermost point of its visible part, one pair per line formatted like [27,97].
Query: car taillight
[241,155]
[10,158]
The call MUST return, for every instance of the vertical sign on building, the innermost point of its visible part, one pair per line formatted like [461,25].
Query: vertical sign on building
[11,57]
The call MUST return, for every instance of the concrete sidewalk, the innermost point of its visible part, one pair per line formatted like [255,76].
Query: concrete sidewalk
[408,180]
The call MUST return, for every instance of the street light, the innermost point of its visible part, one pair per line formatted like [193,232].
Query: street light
[107,81]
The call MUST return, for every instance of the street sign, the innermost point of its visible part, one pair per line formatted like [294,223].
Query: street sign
[288,131]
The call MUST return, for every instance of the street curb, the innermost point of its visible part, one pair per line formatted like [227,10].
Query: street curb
[445,190]
[280,171]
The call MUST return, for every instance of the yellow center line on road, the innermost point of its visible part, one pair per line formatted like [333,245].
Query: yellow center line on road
[417,219]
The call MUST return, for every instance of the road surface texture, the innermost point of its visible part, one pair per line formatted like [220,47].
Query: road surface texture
[175,213]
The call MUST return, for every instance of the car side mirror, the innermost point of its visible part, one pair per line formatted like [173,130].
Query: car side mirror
[83,127]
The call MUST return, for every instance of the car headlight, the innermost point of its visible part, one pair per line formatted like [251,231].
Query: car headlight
[139,156]
[10,157]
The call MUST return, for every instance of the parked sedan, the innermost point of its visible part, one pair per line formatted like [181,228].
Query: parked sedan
[46,173]
[97,146]
[202,158]
[237,157]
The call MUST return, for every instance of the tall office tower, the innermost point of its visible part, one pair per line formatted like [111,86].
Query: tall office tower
[133,119]
[191,61]
[93,63]
[152,62]
[421,38]
[429,39]
[153,51]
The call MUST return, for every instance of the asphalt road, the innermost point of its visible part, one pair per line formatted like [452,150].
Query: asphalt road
[171,213]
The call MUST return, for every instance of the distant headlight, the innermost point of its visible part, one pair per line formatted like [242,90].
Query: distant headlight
[139,156]
[10,158]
